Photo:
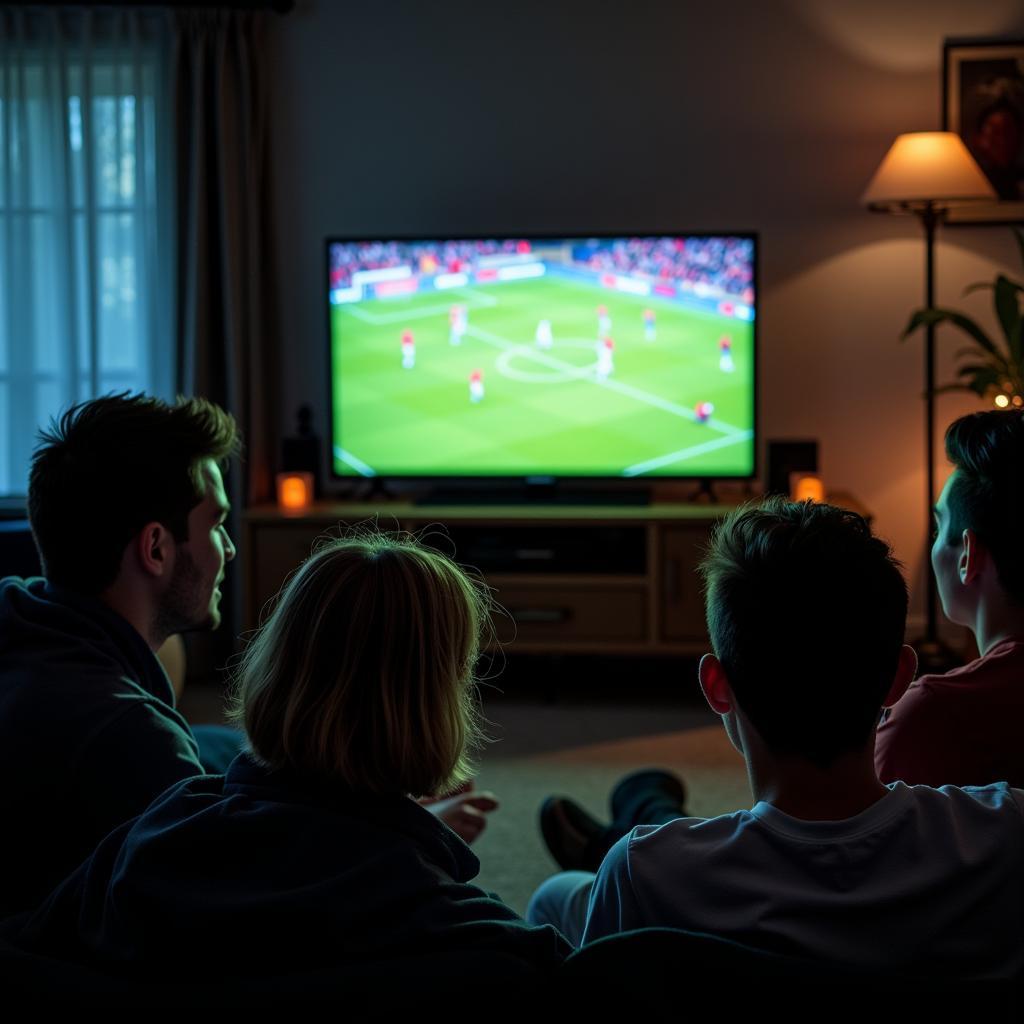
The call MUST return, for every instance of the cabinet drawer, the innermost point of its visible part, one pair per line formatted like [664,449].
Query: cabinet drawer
[682,600]
[570,612]
[276,552]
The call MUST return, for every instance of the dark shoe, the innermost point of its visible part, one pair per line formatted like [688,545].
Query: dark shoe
[574,838]
[649,797]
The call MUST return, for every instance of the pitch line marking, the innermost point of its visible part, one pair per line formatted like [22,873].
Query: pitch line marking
[613,385]
[477,301]
[357,464]
[686,453]
[481,298]
[557,377]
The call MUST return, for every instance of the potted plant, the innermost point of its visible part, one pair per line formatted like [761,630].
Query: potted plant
[992,367]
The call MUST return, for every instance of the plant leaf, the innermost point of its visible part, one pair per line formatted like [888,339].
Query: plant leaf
[1015,340]
[984,380]
[951,387]
[1007,307]
[922,317]
[971,369]
[978,286]
[970,350]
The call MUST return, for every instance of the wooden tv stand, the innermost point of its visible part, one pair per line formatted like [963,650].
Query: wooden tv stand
[571,579]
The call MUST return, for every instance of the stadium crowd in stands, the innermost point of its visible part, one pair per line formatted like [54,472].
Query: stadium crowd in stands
[348,258]
[726,264]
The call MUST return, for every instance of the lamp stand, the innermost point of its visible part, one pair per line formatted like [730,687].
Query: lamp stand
[933,655]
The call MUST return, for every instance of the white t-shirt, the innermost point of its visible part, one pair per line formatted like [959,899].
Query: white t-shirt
[924,876]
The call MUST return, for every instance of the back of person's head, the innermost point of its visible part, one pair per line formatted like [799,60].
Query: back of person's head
[363,674]
[111,465]
[806,611]
[987,492]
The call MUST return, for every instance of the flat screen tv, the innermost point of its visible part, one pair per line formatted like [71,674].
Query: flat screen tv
[629,357]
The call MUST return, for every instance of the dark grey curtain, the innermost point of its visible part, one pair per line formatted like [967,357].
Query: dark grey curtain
[227,312]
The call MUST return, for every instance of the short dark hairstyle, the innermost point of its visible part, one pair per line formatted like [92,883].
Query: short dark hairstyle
[807,612]
[111,465]
[987,493]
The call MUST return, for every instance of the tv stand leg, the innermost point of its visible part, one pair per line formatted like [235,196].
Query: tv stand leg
[705,494]
[375,490]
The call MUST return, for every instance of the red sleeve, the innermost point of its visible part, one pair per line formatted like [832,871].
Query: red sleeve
[922,741]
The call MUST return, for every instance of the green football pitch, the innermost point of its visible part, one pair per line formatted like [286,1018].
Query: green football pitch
[543,411]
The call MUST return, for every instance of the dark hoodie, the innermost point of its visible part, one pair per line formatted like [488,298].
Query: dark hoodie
[88,733]
[282,875]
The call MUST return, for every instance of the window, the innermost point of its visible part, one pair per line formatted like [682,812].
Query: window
[85,217]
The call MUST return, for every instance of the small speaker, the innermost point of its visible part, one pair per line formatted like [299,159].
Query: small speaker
[302,453]
[785,457]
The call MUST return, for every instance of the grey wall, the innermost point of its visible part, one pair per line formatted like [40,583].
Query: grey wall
[764,115]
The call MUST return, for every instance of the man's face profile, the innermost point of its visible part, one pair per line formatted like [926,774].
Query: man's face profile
[946,554]
[192,600]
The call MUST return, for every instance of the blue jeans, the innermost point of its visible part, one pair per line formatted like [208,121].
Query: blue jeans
[562,900]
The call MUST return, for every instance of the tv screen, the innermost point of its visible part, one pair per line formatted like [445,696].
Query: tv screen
[624,357]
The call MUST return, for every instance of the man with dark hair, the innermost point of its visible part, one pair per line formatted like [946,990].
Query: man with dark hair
[806,611]
[964,727]
[127,506]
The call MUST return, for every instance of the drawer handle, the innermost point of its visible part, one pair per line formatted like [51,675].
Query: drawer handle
[534,554]
[541,614]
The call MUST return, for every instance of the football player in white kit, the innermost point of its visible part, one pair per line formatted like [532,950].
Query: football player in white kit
[458,321]
[650,325]
[543,336]
[725,362]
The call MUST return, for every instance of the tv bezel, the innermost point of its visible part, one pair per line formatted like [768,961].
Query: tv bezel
[338,482]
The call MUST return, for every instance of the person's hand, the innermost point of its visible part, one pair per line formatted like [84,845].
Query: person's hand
[463,811]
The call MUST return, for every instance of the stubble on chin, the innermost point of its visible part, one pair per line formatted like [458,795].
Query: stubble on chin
[178,611]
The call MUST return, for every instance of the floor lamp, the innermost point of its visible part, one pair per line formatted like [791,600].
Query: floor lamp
[925,174]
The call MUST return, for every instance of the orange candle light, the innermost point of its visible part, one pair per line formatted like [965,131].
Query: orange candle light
[294,491]
[806,487]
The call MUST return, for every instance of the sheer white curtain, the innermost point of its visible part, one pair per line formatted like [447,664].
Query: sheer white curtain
[86,215]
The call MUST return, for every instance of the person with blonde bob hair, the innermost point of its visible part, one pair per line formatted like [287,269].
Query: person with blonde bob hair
[312,854]
[363,674]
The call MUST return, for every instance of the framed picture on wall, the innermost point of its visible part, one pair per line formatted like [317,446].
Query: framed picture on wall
[983,101]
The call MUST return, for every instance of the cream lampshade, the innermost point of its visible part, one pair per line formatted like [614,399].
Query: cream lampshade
[926,168]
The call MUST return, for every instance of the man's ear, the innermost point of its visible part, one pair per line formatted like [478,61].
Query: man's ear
[906,669]
[973,555]
[154,549]
[715,685]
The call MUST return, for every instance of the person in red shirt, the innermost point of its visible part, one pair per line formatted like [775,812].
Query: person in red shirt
[964,728]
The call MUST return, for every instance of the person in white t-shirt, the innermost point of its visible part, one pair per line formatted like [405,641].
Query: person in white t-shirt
[806,612]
